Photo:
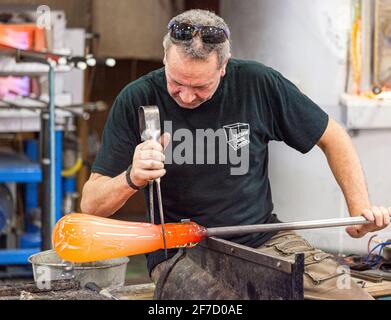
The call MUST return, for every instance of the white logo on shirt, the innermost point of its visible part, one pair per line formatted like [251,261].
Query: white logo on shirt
[238,135]
[208,146]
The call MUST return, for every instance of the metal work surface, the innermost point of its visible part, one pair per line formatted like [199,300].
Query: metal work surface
[220,269]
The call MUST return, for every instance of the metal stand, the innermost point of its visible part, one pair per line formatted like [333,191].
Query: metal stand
[48,162]
[48,171]
[45,164]
[52,142]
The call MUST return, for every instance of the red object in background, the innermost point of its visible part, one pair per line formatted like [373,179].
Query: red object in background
[23,36]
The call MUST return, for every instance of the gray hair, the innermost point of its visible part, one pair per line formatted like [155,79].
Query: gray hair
[196,48]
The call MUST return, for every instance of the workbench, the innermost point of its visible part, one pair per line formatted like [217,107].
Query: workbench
[70,290]
[381,290]
[378,290]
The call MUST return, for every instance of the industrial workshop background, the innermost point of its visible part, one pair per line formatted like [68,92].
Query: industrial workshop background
[131,32]
[311,42]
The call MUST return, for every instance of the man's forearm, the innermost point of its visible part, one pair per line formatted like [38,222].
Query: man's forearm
[346,167]
[103,196]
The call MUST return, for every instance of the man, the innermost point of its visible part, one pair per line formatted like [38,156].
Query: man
[202,94]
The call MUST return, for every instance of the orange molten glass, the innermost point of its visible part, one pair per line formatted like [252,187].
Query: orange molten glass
[84,238]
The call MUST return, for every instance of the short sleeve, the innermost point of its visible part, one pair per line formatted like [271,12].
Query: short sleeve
[119,140]
[296,119]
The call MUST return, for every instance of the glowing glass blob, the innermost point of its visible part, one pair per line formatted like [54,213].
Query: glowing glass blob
[81,237]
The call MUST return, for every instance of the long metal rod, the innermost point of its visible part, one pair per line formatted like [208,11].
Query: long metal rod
[151,205]
[52,126]
[314,224]
[159,197]
[84,115]
[45,163]
[30,55]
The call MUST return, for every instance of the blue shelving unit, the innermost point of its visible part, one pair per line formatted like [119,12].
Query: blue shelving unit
[24,168]
[18,168]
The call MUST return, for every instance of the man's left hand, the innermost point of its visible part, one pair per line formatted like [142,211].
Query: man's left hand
[380,216]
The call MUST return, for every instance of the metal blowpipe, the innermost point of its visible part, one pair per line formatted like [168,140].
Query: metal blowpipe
[314,224]
[83,238]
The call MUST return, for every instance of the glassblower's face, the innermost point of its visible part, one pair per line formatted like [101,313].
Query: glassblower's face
[191,82]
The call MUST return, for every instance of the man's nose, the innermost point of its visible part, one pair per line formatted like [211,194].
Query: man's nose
[187,96]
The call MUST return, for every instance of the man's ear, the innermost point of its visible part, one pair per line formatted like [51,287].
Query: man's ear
[164,59]
[223,71]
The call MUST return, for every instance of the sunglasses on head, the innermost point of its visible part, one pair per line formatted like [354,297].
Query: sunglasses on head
[208,34]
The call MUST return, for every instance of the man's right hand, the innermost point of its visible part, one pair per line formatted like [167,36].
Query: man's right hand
[148,161]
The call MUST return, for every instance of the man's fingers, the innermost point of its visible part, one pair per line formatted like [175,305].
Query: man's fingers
[165,140]
[386,216]
[149,175]
[151,155]
[150,164]
[378,216]
[368,214]
[151,145]
[148,161]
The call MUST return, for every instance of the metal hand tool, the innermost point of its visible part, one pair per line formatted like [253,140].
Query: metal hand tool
[149,121]
[299,225]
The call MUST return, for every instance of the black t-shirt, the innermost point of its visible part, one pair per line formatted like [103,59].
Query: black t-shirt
[253,105]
